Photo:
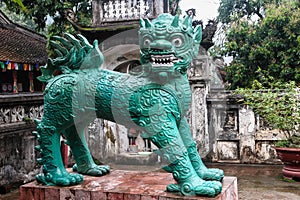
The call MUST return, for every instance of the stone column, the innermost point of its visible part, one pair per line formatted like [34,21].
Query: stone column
[198,116]
[97,12]
[158,7]
[247,130]
[199,77]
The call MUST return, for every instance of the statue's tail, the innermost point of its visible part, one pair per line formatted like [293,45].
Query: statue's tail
[72,55]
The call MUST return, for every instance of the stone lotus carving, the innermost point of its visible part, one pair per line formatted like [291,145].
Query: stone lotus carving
[153,98]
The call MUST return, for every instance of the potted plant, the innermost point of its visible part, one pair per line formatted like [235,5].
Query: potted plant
[280,107]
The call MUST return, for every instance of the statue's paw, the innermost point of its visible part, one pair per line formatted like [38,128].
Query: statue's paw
[96,170]
[61,179]
[199,188]
[212,174]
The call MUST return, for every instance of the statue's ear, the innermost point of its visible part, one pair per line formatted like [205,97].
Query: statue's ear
[198,34]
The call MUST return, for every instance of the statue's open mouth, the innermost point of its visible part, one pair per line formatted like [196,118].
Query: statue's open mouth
[166,60]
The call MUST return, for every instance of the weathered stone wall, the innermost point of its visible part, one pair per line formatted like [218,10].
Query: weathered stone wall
[240,135]
[17,160]
[18,157]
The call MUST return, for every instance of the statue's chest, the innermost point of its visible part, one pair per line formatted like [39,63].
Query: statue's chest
[129,99]
[148,95]
[138,98]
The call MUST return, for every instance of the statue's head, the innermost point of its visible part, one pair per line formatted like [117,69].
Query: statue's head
[168,43]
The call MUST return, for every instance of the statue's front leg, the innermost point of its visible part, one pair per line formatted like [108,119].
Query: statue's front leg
[202,171]
[173,150]
[84,162]
[54,172]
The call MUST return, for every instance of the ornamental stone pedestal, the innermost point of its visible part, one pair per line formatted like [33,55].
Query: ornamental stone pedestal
[116,186]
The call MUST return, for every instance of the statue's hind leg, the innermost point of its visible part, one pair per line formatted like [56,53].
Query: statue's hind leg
[54,172]
[202,171]
[172,148]
[84,161]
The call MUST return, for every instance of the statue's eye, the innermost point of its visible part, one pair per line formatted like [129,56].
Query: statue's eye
[177,42]
[147,42]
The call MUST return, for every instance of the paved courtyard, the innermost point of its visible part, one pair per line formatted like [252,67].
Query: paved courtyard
[262,182]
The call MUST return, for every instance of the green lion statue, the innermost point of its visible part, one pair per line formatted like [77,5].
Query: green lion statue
[153,98]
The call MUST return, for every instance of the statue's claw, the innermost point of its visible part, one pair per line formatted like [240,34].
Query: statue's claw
[96,170]
[173,188]
[64,179]
[211,174]
[200,188]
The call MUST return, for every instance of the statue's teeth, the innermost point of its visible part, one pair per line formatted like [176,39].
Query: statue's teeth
[167,60]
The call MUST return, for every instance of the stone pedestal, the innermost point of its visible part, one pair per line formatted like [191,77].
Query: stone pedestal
[121,185]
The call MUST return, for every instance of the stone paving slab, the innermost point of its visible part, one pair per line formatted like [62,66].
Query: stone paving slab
[121,185]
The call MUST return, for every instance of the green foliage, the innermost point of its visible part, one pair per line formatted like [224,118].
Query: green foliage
[270,44]
[20,4]
[286,180]
[279,105]
[234,10]
[28,119]
[282,143]
[41,10]
[17,18]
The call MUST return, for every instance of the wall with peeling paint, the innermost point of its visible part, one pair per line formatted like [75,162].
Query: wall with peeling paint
[241,137]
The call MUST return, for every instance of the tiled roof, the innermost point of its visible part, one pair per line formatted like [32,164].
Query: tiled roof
[21,45]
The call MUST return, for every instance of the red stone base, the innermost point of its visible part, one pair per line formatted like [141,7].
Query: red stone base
[121,185]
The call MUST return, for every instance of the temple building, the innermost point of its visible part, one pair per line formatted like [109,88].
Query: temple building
[22,52]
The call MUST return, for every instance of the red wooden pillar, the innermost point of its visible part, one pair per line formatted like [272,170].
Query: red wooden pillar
[31,86]
[15,77]
[64,153]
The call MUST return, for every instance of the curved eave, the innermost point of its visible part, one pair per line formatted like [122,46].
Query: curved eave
[105,31]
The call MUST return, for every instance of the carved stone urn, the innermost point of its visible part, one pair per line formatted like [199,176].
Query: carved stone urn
[291,159]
